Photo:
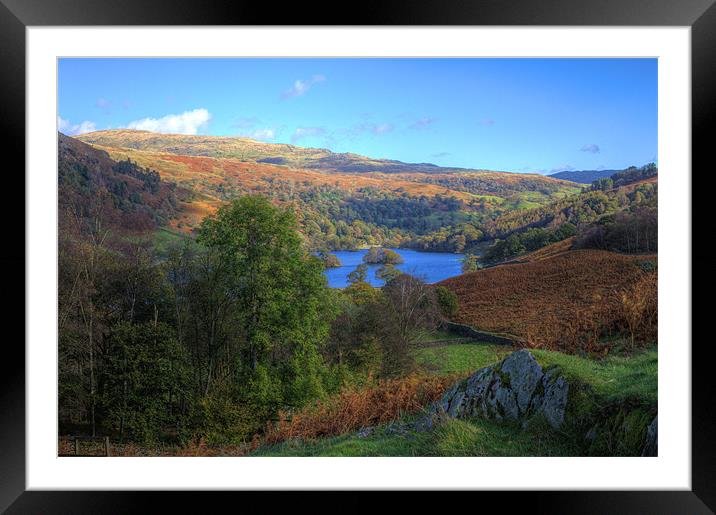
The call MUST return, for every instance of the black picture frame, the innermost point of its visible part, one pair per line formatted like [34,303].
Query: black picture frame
[16,15]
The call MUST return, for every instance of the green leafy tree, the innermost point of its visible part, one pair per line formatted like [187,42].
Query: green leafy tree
[387,273]
[145,382]
[447,301]
[359,275]
[280,297]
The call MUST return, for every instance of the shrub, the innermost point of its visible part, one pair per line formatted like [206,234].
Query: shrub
[355,408]
[447,301]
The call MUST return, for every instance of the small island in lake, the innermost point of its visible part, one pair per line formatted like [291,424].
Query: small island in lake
[329,260]
[381,256]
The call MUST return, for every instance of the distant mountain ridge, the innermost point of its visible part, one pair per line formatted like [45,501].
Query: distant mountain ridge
[583,176]
[261,152]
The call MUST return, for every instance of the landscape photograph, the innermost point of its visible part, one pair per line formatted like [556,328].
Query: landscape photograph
[357,257]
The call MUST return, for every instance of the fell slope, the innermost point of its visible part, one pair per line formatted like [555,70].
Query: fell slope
[128,196]
[342,200]
[563,299]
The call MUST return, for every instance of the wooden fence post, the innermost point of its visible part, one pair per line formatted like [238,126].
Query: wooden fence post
[77,446]
[106,445]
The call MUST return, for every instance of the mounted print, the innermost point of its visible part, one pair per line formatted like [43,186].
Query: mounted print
[357,257]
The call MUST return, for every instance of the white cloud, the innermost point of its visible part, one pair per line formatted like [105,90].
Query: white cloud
[103,103]
[62,124]
[65,127]
[188,122]
[301,87]
[307,132]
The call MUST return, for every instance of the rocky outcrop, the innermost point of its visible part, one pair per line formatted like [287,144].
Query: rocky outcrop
[651,446]
[516,389]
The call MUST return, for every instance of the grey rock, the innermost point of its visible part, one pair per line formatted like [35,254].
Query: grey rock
[514,389]
[554,404]
[651,445]
[365,432]
[524,373]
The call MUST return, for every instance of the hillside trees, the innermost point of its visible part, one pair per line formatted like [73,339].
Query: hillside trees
[628,231]
[382,256]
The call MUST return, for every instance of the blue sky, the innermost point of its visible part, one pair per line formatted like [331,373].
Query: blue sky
[520,115]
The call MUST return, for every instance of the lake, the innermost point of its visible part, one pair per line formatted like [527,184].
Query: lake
[431,267]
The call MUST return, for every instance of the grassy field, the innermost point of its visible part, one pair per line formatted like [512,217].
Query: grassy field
[612,380]
[460,358]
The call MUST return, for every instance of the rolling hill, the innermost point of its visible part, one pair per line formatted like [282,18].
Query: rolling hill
[251,150]
[342,201]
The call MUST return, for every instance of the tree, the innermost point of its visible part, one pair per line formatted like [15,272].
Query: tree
[387,273]
[329,260]
[359,275]
[410,309]
[146,380]
[447,301]
[469,263]
[379,256]
[280,301]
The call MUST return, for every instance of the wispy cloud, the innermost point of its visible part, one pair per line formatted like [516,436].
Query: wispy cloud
[591,148]
[188,122]
[486,121]
[307,132]
[262,134]
[440,154]
[301,87]
[103,103]
[422,123]
[374,128]
[65,127]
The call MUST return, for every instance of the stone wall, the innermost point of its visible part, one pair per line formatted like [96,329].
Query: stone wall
[483,336]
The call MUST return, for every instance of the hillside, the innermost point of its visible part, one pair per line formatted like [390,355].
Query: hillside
[246,149]
[566,299]
[387,203]
[128,196]
[583,176]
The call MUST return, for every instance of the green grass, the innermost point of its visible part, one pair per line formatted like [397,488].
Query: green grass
[460,357]
[164,239]
[612,380]
[615,378]
[452,438]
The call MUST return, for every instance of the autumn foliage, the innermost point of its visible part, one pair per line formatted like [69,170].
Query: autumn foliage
[355,408]
[565,301]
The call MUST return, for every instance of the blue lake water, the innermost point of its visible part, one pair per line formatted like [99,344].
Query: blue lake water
[431,267]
